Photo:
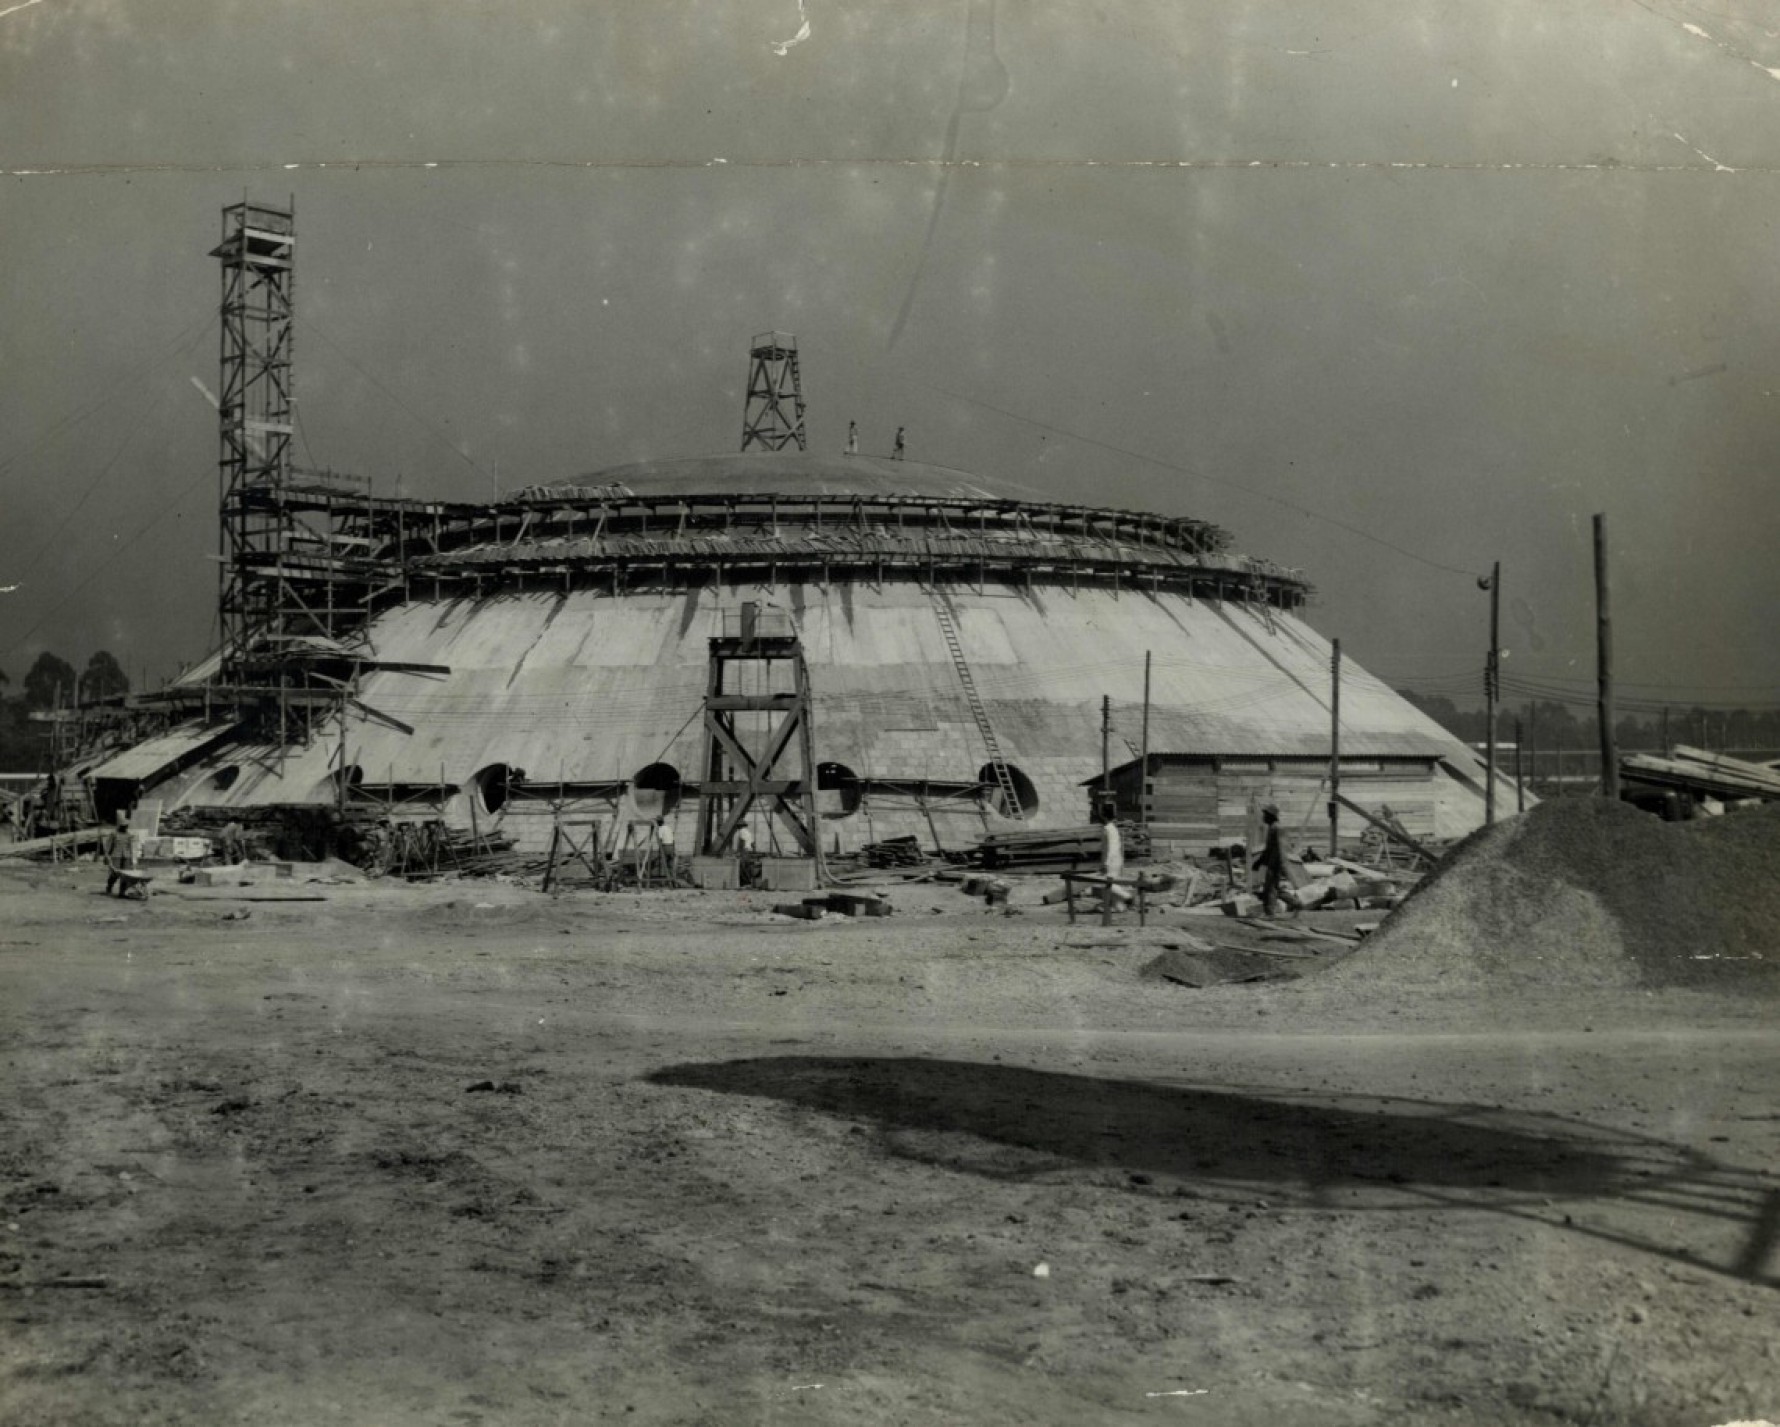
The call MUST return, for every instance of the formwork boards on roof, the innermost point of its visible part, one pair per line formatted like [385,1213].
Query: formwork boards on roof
[586,686]
[161,755]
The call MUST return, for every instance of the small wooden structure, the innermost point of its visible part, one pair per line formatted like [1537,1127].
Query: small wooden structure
[1106,885]
[1196,799]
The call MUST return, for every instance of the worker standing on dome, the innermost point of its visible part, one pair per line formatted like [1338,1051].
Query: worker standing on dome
[896,455]
[852,438]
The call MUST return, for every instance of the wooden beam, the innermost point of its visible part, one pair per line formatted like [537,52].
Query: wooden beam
[1386,828]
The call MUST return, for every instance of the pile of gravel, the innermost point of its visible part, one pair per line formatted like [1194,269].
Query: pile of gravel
[1590,892]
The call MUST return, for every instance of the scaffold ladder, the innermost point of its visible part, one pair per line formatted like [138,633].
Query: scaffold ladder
[942,611]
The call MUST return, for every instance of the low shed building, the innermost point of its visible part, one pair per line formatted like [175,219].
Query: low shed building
[1191,800]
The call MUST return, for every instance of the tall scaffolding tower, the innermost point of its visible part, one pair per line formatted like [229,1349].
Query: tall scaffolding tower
[295,543]
[773,414]
[254,416]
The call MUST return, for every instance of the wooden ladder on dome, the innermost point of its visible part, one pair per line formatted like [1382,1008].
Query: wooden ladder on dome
[1010,800]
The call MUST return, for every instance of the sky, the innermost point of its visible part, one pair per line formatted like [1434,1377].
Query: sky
[1390,289]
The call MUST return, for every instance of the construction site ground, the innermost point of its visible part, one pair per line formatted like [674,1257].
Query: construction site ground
[464,1153]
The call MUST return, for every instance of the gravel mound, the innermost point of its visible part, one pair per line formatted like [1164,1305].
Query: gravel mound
[1596,893]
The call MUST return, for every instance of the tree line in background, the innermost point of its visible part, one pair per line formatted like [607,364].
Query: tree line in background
[50,682]
[1547,725]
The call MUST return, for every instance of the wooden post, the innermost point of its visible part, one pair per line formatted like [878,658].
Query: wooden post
[1604,665]
[1143,761]
[342,808]
[550,863]
[1666,743]
[1489,695]
[1533,742]
[1335,751]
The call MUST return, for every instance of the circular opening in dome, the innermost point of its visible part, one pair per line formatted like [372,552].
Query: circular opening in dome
[224,778]
[656,790]
[837,791]
[1025,795]
[494,784]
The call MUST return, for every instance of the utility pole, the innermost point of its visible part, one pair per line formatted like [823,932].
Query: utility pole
[1520,786]
[1143,761]
[1105,749]
[1666,744]
[1533,743]
[1491,669]
[1335,750]
[1604,665]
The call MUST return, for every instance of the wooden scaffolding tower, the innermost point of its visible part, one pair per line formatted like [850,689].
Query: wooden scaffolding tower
[773,414]
[736,777]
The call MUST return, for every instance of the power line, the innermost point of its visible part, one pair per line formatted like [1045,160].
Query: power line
[309,324]
[1198,475]
[180,342]
[168,509]
[104,471]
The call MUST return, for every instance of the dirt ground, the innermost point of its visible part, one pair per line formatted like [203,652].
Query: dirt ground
[467,1154]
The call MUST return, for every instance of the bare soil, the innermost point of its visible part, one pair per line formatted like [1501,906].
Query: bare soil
[467,1154]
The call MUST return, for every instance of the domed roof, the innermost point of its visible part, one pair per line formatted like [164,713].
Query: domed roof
[802,473]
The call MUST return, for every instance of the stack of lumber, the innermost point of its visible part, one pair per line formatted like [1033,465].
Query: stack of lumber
[1067,849]
[894,852]
[1698,771]
[60,843]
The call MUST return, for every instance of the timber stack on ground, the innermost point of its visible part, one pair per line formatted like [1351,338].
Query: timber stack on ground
[1069,849]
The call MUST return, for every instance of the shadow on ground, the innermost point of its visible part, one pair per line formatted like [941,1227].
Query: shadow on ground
[1009,1122]
[1351,1152]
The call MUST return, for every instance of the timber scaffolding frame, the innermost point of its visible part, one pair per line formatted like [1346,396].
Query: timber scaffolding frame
[384,550]
[373,552]
[641,541]
[772,416]
[738,776]
[300,547]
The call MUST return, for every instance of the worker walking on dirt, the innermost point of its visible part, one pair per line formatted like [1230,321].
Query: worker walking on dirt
[118,855]
[1272,860]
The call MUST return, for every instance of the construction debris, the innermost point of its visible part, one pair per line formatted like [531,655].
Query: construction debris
[1068,849]
[1698,774]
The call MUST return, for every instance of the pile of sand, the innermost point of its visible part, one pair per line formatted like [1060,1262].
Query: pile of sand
[1590,892]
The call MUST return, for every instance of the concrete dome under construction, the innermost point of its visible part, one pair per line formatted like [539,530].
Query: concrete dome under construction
[554,650]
